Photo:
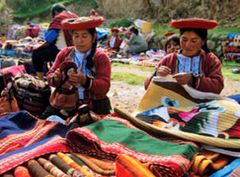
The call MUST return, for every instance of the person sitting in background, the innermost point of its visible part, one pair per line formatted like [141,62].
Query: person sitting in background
[32,30]
[54,41]
[172,44]
[114,41]
[3,38]
[136,43]
[93,74]
[194,64]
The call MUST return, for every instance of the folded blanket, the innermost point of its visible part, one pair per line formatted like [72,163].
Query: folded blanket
[109,137]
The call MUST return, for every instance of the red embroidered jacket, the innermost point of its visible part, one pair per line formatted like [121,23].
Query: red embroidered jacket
[100,84]
[117,43]
[211,79]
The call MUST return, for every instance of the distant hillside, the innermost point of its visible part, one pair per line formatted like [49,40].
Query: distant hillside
[227,12]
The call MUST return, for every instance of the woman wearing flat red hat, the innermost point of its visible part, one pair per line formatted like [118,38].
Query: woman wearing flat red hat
[194,64]
[114,40]
[93,75]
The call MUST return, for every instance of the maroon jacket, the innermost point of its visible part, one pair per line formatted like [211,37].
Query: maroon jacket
[117,43]
[211,79]
[100,84]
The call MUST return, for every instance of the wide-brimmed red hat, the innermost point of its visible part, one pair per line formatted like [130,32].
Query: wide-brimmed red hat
[194,23]
[82,23]
[115,29]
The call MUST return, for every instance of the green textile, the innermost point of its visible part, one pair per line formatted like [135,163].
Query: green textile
[111,131]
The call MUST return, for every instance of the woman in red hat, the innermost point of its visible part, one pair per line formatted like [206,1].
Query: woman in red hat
[93,75]
[114,40]
[194,64]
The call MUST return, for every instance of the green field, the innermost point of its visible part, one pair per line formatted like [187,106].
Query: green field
[134,79]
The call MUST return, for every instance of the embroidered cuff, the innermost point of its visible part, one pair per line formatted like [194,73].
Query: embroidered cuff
[88,83]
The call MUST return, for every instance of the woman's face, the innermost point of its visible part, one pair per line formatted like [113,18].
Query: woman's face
[190,43]
[172,47]
[82,40]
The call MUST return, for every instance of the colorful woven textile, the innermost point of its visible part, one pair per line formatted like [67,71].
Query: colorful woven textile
[23,140]
[109,137]
[31,93]
[51,168]
[61,164]
[23,137]
[37,170]
[21,171]
[228,169]
[208,162]
[168,107]
[73,164]
[99,166]
[130,167]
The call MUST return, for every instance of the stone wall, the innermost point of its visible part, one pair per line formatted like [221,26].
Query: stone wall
[165,10]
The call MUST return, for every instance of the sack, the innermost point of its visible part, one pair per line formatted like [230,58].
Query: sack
[8,105]
[102,106]
[64,99]
[31,93]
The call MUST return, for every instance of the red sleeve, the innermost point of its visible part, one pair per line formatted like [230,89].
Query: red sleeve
[212,80]
[165,61]
[101,83]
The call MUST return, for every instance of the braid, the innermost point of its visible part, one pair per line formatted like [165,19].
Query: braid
[89,58]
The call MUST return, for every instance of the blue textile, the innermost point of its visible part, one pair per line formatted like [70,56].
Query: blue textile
[51,35]
[235,97]
[20,122]
[101,33]
[228,169]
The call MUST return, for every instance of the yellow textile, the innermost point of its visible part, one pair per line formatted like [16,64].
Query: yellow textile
[73,164]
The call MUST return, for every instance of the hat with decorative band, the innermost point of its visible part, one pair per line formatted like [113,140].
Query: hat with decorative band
[194,23]
[82,23]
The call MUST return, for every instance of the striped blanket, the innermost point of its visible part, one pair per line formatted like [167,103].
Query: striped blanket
[24,137]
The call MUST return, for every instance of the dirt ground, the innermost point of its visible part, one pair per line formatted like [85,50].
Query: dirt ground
[127,96]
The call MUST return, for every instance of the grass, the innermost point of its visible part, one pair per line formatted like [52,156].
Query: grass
[129,78]
[133,79]
[141,68]
[227,70]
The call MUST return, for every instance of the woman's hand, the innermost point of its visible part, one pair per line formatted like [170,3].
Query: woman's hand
[163,71]
[183,78]
[77,78]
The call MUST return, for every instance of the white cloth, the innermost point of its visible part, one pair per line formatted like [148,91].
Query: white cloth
[80,59]
[112,41]
[188,64]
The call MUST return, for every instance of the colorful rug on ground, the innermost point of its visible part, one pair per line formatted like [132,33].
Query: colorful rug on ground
[24,138]
[184,112]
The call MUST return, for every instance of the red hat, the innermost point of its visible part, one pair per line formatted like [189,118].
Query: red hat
[115,29]
[81,23]
[194,23]
[169,33]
